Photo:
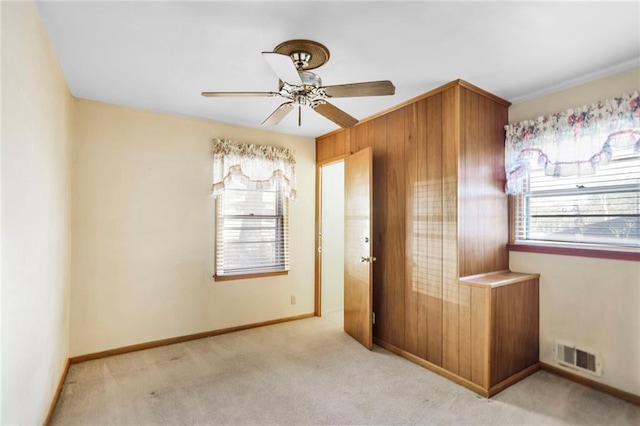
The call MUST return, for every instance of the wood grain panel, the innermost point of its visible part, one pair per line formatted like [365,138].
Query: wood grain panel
[464,331]
[362,136]
[515,319]
[471,188]
[380,287]
[324,147]
[436,369]
[494,251]
[485,163]
[357,225]
[394,273]
[412,260]
[483,212]
[451,140]
[479,336]
[498,253]
[420,228]
[434,217]
[333,145]
[342,145]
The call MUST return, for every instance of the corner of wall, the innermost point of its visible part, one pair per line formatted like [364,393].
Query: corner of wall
[36,208]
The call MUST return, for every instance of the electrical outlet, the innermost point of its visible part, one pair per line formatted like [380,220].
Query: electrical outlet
[293,300]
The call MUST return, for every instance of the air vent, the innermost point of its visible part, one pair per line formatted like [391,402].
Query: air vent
[577,358]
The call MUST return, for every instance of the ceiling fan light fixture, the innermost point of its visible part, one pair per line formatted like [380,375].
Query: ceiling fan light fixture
[301,59]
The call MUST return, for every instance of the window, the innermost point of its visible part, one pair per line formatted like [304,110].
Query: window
[252,185]
[575,178]
[601,209]
[251,231]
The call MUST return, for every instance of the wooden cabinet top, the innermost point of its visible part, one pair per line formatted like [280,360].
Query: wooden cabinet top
[499,278]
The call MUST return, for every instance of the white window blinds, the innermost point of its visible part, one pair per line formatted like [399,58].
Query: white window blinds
[597,209]
[252,185]
[252,229]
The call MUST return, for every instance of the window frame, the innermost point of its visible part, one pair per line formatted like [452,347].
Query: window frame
[282,212]
[596,250]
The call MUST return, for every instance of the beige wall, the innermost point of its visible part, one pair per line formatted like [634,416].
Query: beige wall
[583,94]
[143,236]
[36,114]
[593,303]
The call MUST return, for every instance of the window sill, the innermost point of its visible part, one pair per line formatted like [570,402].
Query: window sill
[248,276]
[601,253]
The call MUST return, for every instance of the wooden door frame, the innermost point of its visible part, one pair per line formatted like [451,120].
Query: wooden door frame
[316,237]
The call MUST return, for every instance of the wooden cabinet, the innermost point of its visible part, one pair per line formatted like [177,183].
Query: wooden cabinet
[501,335]
[439,213]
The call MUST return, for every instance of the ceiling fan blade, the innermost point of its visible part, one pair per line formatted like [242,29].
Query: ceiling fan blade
[370,88]
[336,115]
[238,94]
[283,66]
[277,115]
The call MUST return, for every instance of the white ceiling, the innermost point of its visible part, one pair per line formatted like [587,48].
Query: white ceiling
[160,55]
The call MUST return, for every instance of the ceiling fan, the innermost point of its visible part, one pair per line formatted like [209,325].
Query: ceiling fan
[292,61]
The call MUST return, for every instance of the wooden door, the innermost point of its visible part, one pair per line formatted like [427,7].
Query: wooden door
[358,256]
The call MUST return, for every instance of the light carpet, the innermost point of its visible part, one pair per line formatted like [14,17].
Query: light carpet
[308,372]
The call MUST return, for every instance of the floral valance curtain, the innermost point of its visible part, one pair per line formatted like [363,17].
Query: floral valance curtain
[252,166]
[573,142]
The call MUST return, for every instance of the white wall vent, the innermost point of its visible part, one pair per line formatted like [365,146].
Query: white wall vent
[580,359]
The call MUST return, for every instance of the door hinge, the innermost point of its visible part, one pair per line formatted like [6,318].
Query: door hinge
[374,318]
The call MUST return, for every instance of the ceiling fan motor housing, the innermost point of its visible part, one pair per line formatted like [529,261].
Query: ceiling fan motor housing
[310,79]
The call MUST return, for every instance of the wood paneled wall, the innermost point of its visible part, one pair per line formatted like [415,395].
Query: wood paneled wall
[483,212]
[440,213]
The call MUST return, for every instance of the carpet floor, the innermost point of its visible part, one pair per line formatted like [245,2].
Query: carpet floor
[308,372]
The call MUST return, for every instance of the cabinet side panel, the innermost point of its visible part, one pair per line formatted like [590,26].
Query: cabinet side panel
[464,327]
[479,338]
[471,189]
[483,211]
[515,343]
[495,244]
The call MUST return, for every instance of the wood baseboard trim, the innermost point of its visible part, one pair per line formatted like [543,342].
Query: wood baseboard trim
[181,339]
[436,369]
[56,395]
[626,396]
[493,390]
